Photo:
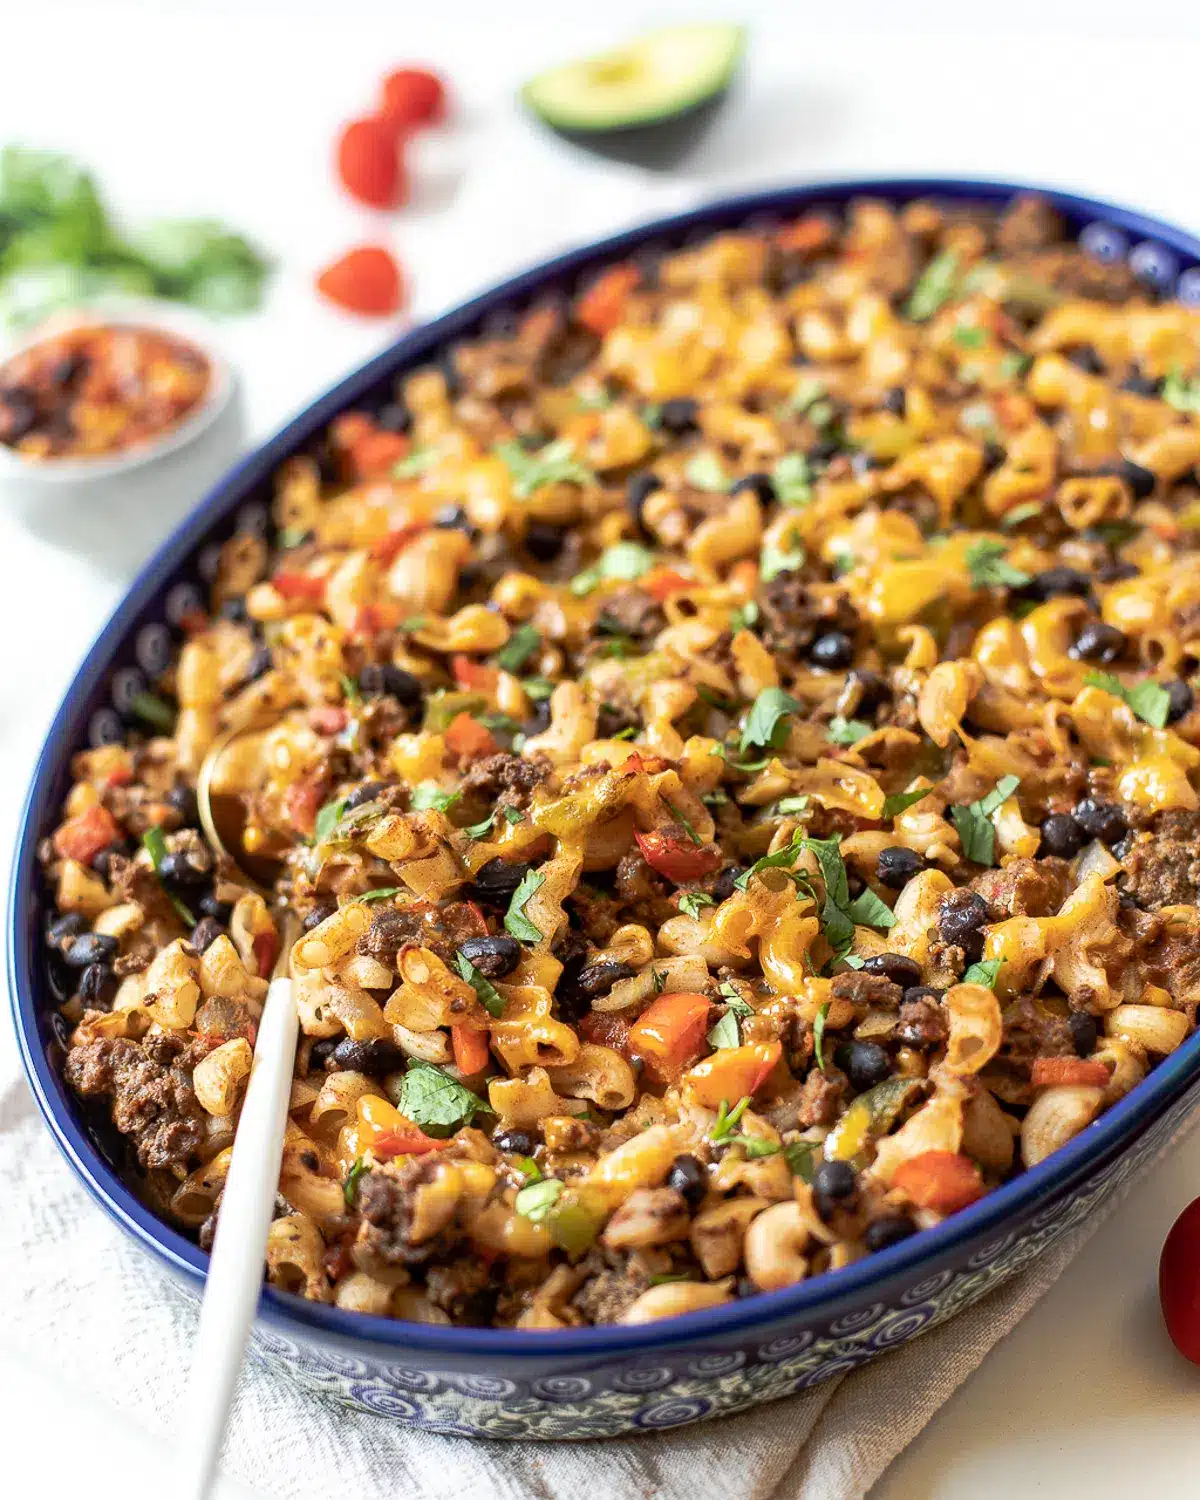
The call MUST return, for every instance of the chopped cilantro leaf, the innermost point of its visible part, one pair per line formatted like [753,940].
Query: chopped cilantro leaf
[415,463]
[983,972]
[802,1157]
[480,830]
[1022,513]
[728,992]
[554,464]
[491,1000]
[809,390]
[744,616]
[537,689]
[327,819]
[968,336]
[1013,366]
[728,1119]
[900,802]
[988,569]
[536,1199]
[515,920]
[782,859]
[350,1186]
[792,479]
[431,1098]
[935,287]
[870,910]
[788,807]
[519,647]
[819,1035]
[382,894]
[427,794]
[974,822]
[513,815]
[847,731]
[1150,701]
[626,561]
[726,1032]
[691,902]
[1181,393]
[772,561]
[767,722]
[706,473]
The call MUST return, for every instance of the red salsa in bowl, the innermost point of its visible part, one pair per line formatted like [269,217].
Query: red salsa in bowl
[99,390]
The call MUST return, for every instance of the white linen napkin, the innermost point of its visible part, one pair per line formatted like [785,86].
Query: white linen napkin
[79,1283]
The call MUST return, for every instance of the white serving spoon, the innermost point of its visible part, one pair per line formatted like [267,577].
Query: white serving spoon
[235,1268]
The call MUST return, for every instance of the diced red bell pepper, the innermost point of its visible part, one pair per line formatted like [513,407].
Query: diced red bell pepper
[812,232]
[122,776]
[299,586]
[83,836]
[942,1180]
[303,798]
[371,619]
[468,738]
[677,858]
[470,1049]
[733,1072]
[1073,1070]
[638,761]
[670,1032]
[602,306]
[410,1142]
[266,951]
[387,548]
[376,453]
[474,674]
[663,582]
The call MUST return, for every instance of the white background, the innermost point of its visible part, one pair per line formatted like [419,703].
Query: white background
[229,107]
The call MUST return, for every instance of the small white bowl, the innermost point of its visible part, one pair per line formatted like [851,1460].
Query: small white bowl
[116,510]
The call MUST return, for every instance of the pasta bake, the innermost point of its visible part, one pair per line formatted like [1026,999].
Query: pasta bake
[716,757]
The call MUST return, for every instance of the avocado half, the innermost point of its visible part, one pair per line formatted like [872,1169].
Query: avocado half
[655,78]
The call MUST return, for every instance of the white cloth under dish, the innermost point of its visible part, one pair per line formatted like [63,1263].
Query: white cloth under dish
[81,1285]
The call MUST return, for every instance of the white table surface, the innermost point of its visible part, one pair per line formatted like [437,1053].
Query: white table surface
[229,107]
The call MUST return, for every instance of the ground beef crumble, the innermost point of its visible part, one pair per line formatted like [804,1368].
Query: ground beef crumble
[149,1087]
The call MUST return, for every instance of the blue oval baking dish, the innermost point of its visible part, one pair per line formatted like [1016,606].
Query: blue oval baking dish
[590,1382]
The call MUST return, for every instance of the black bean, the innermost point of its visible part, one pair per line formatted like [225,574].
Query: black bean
[896,401]
[322,1050]
[234,608]
[639,489]
[827,448]
[1100,820]
[496,880]
[367,792]
[209,906]
[1097,641]
[1085,358]
[1056,582]
[678,416]
[494,957]
[1084,1032]
[18,414]
[866,1065]
[834,1186]
[1141,385]
[543,541]
[90,948]
[320,913]
[993,457]
[69,369]
[205,933]
[97,986]
[378,678]
[1116,571]
[923,992]
[723,886]
[1140,480]
[102,862]
[894,966]
[880,1233]
[517,1142]
[260,664]
[63,929]
[897,865]
[394,417]
[1180,699]
[873,690]
[183,800]
[834,650]
[688,1176]
[962,916]
[376,1058]
[1061,836]
[453,518]
[759,485]
[580,983]
[179,870]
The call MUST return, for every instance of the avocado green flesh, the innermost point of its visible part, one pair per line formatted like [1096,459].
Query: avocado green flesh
[654,78]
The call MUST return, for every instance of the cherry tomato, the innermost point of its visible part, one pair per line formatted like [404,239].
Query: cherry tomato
[388,548]
[941,1180]
[678,859]
[476,675]
[1074,1070]
[266,951]
[366,280]
[1179,1282]
[411,97]
[82,837]
[376,453]
[408,1142]
[302,798]
[370,619]
[663,582]
[369,165]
